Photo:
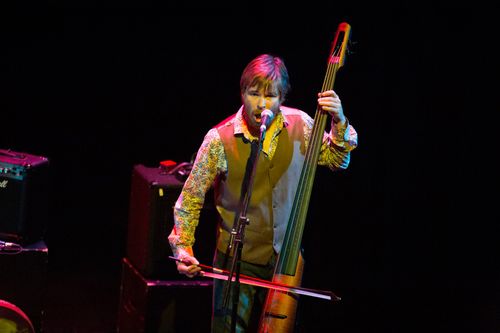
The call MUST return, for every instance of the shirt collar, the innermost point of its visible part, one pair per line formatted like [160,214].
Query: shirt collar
[240,127]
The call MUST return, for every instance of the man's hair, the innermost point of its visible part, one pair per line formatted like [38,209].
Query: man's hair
[266,71]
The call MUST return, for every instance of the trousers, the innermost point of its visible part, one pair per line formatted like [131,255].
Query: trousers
[251,299]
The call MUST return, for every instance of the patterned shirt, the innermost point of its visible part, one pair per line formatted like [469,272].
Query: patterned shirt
[211,162]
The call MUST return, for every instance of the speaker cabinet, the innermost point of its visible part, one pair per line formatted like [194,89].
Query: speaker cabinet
[162,306]
[23,197]
[152,198]
[23,279]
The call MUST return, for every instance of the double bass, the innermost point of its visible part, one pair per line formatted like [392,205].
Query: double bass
[279,312]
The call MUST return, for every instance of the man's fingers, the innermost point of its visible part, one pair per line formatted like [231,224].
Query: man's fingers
[193,271]
[190,271]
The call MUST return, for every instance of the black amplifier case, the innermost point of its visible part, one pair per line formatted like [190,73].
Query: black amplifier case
[24,196]
[163,306]
[152,198]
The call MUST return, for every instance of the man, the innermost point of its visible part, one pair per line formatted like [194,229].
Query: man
[222,163]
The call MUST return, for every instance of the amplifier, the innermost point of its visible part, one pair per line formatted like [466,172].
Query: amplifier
[152,198]
[162,306]
[23,196]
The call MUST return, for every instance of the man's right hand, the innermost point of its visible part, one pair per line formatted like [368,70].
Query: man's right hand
[188,266]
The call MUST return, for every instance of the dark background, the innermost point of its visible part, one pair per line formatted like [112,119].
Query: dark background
[408,235]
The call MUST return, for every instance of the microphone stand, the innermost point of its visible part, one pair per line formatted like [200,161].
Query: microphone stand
[237,235]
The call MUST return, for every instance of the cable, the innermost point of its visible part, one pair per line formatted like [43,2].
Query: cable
[10,248]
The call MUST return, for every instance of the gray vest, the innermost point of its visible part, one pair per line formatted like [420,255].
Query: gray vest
[273,191]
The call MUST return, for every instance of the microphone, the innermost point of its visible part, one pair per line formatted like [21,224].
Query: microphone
[266,118]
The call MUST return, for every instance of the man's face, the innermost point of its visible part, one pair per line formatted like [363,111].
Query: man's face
[255,100]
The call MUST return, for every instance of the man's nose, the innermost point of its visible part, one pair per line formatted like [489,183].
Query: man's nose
[262,103]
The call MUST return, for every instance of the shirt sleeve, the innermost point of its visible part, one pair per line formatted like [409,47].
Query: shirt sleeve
[209,162]
[335,151]
[337,146]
